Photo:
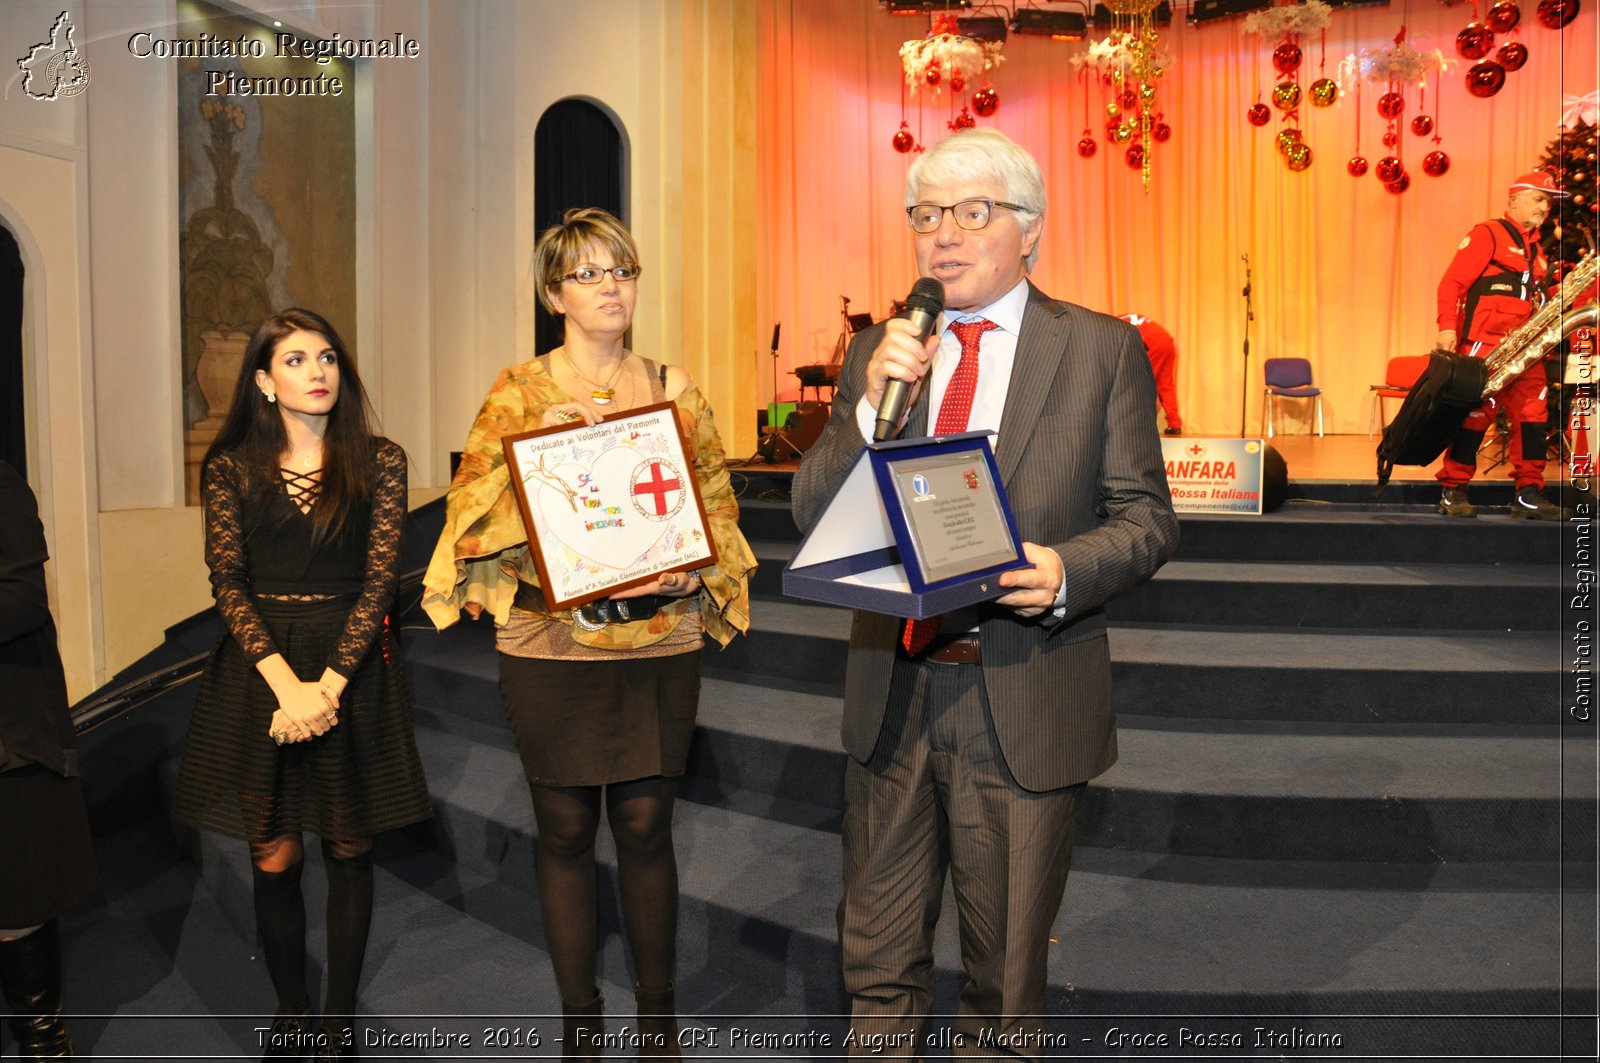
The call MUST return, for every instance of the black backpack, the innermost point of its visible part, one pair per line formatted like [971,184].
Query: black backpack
[1431,415]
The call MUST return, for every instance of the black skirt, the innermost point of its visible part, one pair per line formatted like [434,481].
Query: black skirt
[48,863]
[588,722]
[361,777]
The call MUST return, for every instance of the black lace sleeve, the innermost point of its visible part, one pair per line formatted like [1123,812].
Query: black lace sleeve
[383,562]
[220,488]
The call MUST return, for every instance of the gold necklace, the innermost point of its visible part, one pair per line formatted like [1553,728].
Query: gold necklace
[602,393]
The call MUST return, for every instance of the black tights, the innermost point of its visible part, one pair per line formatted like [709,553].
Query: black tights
[640,814]
[281,918]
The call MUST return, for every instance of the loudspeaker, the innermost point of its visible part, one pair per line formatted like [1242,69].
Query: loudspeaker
[1274,479]
[799,432]
[806,423]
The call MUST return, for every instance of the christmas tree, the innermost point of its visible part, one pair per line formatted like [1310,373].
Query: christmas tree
[1570,230]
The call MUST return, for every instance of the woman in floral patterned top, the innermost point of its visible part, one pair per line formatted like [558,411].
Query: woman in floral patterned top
[602,708]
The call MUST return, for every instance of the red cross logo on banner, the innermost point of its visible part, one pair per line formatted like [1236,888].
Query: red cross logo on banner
[664,488]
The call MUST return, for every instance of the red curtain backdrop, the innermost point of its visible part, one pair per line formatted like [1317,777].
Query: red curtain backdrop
[1344,272]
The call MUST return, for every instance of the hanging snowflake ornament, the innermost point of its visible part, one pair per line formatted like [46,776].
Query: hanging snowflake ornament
[954,57]
[1313,16]
[1381,66]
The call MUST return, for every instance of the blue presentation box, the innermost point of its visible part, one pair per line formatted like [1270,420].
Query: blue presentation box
[871,548]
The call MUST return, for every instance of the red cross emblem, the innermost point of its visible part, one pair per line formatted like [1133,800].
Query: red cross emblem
[661,486]
[1195,450]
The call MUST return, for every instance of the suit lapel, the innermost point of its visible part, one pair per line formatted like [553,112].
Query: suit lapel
[1040,347]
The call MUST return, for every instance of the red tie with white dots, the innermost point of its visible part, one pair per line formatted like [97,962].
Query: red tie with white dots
[954,410]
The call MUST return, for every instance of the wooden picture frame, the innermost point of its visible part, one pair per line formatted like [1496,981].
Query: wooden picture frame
[609,506]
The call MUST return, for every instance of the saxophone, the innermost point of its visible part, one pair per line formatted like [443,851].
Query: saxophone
[1525,345]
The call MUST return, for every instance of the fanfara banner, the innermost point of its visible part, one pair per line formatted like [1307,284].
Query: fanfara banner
[1214,475]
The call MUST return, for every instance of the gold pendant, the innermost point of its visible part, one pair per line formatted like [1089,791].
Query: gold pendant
[602,396]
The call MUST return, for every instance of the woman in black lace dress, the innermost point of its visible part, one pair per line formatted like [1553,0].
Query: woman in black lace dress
[303,717]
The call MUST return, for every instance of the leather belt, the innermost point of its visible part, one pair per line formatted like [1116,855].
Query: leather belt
[959,649]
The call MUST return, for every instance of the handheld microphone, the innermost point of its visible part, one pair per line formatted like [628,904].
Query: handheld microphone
[923,307]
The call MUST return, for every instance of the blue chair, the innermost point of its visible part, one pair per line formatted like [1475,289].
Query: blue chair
[1288,378]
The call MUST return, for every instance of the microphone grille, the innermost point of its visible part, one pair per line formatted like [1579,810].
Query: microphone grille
[927,295]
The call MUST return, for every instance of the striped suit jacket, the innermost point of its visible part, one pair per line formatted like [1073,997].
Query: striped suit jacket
[1081,460]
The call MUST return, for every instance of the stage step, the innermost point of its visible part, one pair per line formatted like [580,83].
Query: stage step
[1326,804]
[1291,594]
[1290,788]
[758,930]
[1311,532]
[1236,672]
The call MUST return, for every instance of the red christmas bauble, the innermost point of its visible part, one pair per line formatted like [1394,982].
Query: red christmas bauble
[1422,125]
[1503,16]
[1135,156]
[1162,132]
[1286,58]
[985,101]
[1129,99]
[1258,114]
[1391,105]
[1087,146]
[1399,184]
[964,120]
[1474,41]
[1435,163]
[958,83]
[933,74]
[904,141]
[1485,79]
[1356,167]
[1554,14]
[1513,55]
[1390,138]
[1389,168]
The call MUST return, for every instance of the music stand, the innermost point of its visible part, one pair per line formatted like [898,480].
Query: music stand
[776,437]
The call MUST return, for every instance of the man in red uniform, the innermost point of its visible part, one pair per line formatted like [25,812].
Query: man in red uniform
[1163,354]
[1494,283]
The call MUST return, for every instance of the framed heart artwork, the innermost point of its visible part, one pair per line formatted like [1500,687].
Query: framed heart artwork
[609,506]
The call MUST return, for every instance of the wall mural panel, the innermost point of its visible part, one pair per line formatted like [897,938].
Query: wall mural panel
[267,198]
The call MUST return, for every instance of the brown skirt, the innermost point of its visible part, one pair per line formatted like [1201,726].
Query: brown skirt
[588,723]
[48,863]
[362,777]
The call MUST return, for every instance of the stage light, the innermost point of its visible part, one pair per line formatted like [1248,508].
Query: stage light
[1211,10]
[1104,20]
[923,7]
[982,27]
[1058,25]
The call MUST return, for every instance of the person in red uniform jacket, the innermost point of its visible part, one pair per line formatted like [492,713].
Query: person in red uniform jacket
[1494,283]
[1163,354]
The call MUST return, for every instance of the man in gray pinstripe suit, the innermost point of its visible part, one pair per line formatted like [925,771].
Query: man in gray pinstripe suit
[968,755]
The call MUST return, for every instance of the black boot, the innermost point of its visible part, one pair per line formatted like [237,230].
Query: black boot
[336,1039]
[290,1035]
[1530,504]
[581,1030]
[30,974]
[658,1023]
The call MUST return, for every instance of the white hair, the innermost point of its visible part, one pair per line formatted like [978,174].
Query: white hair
[975,156]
